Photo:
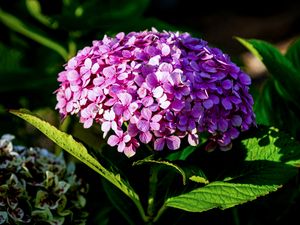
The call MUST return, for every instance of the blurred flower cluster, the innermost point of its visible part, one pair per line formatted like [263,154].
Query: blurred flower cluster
[157,87]
[37,187]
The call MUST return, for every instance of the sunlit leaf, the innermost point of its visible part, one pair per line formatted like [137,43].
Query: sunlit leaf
[270,162]
[75,148]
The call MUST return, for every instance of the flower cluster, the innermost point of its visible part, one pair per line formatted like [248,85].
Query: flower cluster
[156,87]
[37,187]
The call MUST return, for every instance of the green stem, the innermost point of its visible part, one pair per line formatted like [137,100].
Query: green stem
[235,215]
[18,26]
[152,190]
[159,213]
[141,210]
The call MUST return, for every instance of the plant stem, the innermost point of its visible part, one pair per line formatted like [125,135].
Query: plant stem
[152,190]
[159,213]
[141,210]
[235,214]
[17,25]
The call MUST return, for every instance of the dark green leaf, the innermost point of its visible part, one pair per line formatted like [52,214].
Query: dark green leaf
[163,163]
[282,70]
[263,104]
[293,54]
[182,154]
[43,215]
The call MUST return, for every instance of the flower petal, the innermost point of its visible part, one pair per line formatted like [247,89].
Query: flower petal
[109,71]
[193,139]
[113,140]
[154,61]
[145,137]
[143,125]
[159,144]
[208,104]
[125,98]
[173,142]
[158,92]
[105,127]
[226,104]
[146,113]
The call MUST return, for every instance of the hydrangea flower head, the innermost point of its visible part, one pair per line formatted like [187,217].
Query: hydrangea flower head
[156,88]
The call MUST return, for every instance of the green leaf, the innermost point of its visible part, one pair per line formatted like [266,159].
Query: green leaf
[269,163]
[62,202]
[43,215]
[293,54]
[41,200]
[57,221]
[199,179]
[263,103]
[218,195]
[279,66]
[195,174]
[18,26]
[272,145]
[3,217]
[250,47]
[76,149]
[182,154]
[163,163]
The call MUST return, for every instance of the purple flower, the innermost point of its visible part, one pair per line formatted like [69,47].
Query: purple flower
[156,88]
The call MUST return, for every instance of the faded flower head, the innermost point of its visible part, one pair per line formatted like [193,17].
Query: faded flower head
[153,87]
[37,187]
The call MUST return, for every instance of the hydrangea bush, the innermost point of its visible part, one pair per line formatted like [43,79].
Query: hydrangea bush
[151,87]
[37,187]
[168,90]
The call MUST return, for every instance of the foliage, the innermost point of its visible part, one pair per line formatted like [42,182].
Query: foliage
[267,160]
[276,102]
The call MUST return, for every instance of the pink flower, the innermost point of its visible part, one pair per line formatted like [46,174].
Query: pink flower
[119,139]
[156,88]
[109,122]
[125,107]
